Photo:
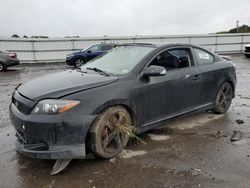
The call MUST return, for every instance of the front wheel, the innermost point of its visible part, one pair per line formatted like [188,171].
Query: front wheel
[224,98]
[79,62]
[106,136]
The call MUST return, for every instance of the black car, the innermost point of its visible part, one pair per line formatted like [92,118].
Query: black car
[247,51]
[131,89]
[7,59]
[79,58]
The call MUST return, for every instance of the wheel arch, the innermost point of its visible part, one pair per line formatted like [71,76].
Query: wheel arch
[80,57]
[117,102]
[102,108]
[232,85]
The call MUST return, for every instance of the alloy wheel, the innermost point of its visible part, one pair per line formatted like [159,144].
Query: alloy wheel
[224,97]
[79,63]
[112,134]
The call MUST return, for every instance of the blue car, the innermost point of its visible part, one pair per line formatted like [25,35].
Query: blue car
[79,58]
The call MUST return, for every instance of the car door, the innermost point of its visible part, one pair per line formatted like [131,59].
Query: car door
[176,92]
[209,75]
[93,52]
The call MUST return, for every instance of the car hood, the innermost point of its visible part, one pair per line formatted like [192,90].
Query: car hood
[75,53]
[61,84]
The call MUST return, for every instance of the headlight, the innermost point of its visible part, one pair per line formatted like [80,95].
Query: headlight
[52,106]
[70,55]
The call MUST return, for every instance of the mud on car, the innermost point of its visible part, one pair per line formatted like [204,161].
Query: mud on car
[138,86]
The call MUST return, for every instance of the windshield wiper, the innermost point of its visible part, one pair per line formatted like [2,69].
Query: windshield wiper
[98,70]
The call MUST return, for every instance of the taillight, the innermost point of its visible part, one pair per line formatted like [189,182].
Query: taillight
[12,55]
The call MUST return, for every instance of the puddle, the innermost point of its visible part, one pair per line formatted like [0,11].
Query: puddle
[126,154]
[240,142]
[158,137]
[196,120]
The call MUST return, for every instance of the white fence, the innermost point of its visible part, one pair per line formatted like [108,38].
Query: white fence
[52,50]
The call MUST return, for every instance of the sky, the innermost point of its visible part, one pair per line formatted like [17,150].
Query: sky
[95,18]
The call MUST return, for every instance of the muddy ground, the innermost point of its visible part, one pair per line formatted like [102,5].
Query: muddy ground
[193,151]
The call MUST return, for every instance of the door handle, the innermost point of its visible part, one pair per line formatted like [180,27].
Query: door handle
[196,77]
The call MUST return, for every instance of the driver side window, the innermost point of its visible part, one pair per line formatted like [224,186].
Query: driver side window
[173,59]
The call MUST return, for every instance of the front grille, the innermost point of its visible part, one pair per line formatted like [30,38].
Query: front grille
[21,106]
[247,49]
[30,144]
[36,133]
[20,137]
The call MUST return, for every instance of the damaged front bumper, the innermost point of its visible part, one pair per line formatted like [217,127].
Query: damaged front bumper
[42,151]
[59,136]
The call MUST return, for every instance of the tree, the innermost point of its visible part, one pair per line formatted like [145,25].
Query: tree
[241,29]
[15,36]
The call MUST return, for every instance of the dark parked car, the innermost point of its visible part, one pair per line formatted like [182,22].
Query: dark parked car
[7,59]
[247,51]
[79,58]
[135,86]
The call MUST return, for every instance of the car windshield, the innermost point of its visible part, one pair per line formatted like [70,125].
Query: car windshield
[120,60]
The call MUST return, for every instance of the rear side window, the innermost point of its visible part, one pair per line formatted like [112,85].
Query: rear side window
[203,57]
[106,47]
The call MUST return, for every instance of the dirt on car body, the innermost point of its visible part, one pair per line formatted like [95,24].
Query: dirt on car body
[193,151]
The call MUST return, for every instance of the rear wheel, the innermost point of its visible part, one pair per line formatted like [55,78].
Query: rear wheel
[224,98]
[106,141]
[2,67]
[79,62]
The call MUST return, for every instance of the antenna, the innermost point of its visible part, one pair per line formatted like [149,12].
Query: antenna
[237,25]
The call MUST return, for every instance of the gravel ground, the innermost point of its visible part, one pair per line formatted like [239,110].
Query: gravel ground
[193,151]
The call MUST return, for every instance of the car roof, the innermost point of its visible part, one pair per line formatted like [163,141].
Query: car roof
[164,45]
[158,44]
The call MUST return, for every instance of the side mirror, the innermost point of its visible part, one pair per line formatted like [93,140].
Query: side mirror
[154,70]
[89,51]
